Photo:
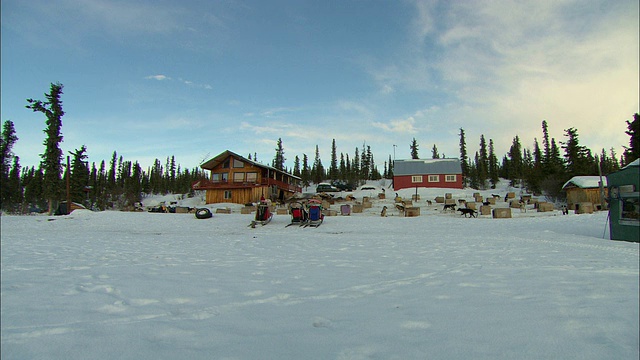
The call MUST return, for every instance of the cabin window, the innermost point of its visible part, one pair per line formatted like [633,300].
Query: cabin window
[416,179]
[227,194]
[450,178]
[217,177]
[252,177]
[225,164]
[630,210]
[237,163]
[434,178]
[238,177]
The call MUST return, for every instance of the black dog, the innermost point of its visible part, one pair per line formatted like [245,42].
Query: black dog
[465,212]
[452,207]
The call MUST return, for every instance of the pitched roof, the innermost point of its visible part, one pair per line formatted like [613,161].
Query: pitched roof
[426,166]
[585,182]
[217,160]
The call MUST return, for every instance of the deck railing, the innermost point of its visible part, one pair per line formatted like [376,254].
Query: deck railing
[205,184]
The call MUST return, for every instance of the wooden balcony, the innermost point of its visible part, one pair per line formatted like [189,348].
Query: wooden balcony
[230,185]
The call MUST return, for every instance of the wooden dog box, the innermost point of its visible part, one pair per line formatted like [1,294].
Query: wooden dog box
[511,195]
[382,196]
[247,210]
[415,197]
[478,198]
[223,211]
[367,205]
[471,205]
[584,208]
[485,210]
[448,196]
[439,199]
[449,201]
[282,212]
[491,200]
[545,207]
[329,212]
[502,213]
[357,208]
[411,211]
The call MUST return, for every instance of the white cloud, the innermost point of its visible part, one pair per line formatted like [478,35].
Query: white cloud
[405,126]
[158,77]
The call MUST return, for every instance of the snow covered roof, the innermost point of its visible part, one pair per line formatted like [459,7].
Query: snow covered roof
[426,166]
[635,162]
[585,182]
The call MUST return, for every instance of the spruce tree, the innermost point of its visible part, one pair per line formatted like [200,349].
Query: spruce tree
[493,166]
[632,152]
[333,167]
[434,152]
[463,157]
[7,140]
[296,166]
[52,157]
[79,179]
[414,149]
[279,159]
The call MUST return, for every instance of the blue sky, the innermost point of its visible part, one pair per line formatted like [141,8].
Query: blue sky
[151,79]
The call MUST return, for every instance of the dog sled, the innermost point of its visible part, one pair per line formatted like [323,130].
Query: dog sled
[263,215]
[315,213]
[299,215]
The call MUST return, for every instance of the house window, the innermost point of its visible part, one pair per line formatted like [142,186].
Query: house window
[416,179]
[237,163]
[238,177]
[227,194]
[252,177]
[216,177]
[225,164]
[434,178]
[450,178]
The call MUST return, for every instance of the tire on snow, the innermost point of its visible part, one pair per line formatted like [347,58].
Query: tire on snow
[203,213]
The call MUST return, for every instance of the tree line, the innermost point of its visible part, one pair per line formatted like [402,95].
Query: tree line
[120,184]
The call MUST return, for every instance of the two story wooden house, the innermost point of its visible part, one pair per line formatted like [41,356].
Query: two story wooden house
[428,173]
[235,179]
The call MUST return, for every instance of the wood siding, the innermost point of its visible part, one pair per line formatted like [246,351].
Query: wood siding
[410,181]
[229,182]
[577,195]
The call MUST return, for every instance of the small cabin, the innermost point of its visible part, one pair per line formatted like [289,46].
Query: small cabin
[236,179]
[585,189]
[428,173]
[624,203]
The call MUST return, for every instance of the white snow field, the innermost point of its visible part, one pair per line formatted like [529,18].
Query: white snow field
[116,285]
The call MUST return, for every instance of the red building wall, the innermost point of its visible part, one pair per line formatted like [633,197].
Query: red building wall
[406,182]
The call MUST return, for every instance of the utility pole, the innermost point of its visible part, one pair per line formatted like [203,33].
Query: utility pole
[68,187]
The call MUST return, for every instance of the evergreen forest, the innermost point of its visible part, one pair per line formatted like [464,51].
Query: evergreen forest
[117,183]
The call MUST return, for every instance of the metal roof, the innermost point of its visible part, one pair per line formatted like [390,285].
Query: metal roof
[426,166]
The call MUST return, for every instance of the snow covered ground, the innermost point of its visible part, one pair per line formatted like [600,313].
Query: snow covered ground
[116,285]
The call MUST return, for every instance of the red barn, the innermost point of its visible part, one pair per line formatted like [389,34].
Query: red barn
[429,173]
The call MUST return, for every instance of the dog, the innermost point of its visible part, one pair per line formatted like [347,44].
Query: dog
[486,203]
[429,202]
[451,207]
[462,201]
[383,213]
[496,196]
[523,206]
[400,207]
[565,210]
[466,211]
